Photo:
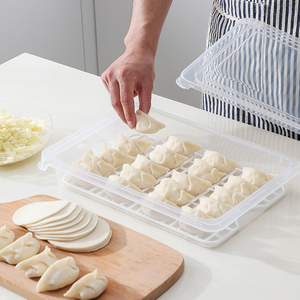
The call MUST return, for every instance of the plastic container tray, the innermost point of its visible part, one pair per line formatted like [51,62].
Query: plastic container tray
[210,74]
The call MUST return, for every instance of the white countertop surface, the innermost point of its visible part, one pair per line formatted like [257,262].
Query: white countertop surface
[262,261]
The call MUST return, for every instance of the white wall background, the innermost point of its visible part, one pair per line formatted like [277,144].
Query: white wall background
[88,35]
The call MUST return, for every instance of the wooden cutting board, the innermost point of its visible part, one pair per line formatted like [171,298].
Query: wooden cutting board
[136,266]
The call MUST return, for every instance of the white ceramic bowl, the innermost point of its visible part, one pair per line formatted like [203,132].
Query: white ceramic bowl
[26,111]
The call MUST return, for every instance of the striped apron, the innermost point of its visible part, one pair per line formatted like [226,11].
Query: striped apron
[282,14]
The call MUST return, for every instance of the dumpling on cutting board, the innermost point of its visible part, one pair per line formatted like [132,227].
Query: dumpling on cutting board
[21,249]
[147,124]
[132,146]
[218,161]
[115,157]
[87,287]
[143,163]
[180,146]
[256,177]
[204,170]
[166,157]
[36,265]
[7,236]
[60,274]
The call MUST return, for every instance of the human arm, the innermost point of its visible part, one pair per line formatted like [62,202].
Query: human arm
[132,74]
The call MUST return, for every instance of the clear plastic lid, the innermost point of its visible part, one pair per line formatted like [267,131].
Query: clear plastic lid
[255,67]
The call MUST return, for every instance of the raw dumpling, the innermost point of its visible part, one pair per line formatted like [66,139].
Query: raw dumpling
[139,178]
[147,124]
[36,265]
[173,191]
[143,163]
[193,211]
[97,164]
[180,146]
[60,274]
[124,182]
[21,249]
[204,170]
[149,211]
[87,287]
[224,195]
[239,185]
[218,161]
[7,236]
[86,167]
[255,177]
[191,184]
[166,157]
[132,146]
[115,157]
[213,207]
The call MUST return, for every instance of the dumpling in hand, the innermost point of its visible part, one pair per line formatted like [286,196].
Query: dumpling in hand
[256,177]
[7,236]
[21,249]
[60,274]
[87,287]
[124,182]
[180,146]
[213,207]
[227,196]
[239,185]
[166,157]
[218,161]
[96,164]
[144,164]
[139,178]
[147,124]
[115,157]
[173,191]
[36,265]
[191,184]
[132,146]
[204,170]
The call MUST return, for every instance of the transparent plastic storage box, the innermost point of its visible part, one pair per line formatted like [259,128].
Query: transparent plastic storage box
[210,73]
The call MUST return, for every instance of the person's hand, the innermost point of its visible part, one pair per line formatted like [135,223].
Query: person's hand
[131,75]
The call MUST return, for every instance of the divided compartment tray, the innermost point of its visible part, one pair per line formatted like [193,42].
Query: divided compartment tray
[205,232]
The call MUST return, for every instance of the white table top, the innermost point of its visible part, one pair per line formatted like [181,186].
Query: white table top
[262,261]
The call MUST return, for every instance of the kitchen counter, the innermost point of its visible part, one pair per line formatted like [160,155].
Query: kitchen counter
[262,261]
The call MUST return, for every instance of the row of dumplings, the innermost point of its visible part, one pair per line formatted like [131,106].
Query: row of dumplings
[54,273]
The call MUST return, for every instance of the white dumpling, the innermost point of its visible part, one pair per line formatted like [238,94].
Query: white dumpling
[147,124]
[227,196]
[132,146]
[143,163]
[7,236]
[191,184]
[192,211]
[125,182]
[21,249]
[173,191]
[88,287]
[36,266]
[139,178]
[96,164]
[204,170]
[60,274]
[166,157]
[213,207]
[218,161]
[86,167]
[149,211]
[239,185]
[256,177]
[181,146]
[115,157]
